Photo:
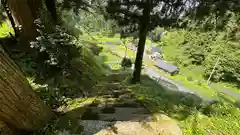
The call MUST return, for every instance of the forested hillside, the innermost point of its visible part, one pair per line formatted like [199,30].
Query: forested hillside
[192,47]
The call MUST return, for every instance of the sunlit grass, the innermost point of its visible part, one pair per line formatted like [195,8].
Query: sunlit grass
[5,28]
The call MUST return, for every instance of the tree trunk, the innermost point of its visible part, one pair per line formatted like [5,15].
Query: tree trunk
[20,107]
[51,7]
[144,22]
[25,12]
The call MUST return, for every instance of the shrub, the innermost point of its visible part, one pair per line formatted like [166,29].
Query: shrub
[228,69]
[63,66]
[126,62]
[156,34]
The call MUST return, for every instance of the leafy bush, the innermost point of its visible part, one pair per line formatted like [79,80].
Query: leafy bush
[126,62]
[197,45]
[54,51]
[62,66]
[156,34]
[171,47]
[86,23]
[228,69]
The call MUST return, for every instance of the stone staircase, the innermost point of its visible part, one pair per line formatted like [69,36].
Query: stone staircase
[123,106]
[120,113]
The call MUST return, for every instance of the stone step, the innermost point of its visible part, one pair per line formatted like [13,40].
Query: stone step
[90,115]
[116,91]
[124,110]
[127,96]
[133,104]
[123,117]
[118,95]
[122,103]
[119,110]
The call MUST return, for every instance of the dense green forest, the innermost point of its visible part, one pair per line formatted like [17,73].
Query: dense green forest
[74,66]
[193,47]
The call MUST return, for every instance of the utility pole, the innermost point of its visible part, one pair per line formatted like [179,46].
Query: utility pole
[213,70]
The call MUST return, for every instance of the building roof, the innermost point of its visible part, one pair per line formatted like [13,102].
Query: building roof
[165,66]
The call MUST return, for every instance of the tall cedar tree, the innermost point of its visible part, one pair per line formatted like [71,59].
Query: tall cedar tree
[24,13]
[143,16]
[20,107]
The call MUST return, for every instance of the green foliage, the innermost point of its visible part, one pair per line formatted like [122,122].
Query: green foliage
[88,23]
[61,66]
[129,14]
[173,40]
[197,45]
[75,5]
[155,35]
[5,28]
[162,99]
[212,15]
[219,117]
[228,67]
[126,62]
[54,51]
[195,48]
[196,51]
[194,115]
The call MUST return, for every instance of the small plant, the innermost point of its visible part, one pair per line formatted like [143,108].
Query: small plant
[126,62]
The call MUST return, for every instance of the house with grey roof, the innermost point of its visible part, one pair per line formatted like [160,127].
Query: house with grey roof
[172,69]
